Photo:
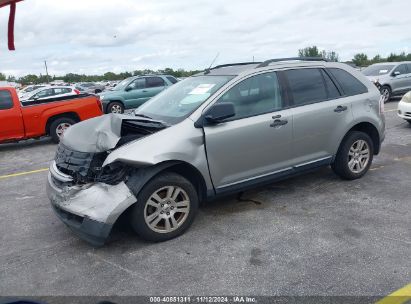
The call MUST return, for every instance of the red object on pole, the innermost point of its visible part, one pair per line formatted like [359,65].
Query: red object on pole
[12,17]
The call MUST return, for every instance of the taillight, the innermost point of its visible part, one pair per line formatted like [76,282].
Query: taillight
[382,108]
[76,91]
[100,105]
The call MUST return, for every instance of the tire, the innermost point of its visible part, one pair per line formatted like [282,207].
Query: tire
[115,107]
[153,210]
[386,92]
[58,127]
[352,147]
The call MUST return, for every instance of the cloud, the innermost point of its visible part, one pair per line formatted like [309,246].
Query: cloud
[94,36]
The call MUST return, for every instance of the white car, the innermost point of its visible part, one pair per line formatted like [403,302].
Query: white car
[404,107]
[29,89]
[49,92]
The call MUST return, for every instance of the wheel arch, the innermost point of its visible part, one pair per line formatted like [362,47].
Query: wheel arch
[141,176]
[370,130]
[110,101]
[50,120]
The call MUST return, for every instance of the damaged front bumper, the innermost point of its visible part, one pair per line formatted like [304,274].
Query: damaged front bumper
[90,210]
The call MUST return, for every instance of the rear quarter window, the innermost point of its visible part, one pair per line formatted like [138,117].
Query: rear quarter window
[349,84]
[6,101]
[172,79]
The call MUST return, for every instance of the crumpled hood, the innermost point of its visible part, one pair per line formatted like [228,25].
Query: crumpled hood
[95,135]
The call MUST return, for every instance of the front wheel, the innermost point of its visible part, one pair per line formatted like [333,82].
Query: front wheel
[165,208]
[354,157]
[115,107]
[386,93]
[58,127]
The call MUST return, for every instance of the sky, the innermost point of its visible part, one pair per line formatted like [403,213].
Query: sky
[98,36]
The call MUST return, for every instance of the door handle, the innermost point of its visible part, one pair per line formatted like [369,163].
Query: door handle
[278,122]
[340,109]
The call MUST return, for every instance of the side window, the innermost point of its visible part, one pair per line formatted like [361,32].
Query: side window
[409,68]
[138,84]
[172,79]
[255,95]
[44,93]
[349,84]
[58,91]
[402,68]
[330,85]
[154,82]
[6,101]
[306,85]
[66,90]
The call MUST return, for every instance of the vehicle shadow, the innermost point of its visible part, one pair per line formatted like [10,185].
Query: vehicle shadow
[25,144]
[257,199]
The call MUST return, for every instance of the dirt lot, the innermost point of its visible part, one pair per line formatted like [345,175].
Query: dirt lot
[310,235]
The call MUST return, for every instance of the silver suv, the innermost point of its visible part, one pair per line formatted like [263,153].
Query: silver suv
[222,131]
[394,77]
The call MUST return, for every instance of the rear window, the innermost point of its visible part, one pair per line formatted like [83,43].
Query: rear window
[306,85]
[6,101]
[153,82]
[349,84]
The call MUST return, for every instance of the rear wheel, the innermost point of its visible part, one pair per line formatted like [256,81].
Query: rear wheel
[354,156]
[59,126]
[386,93]
[115,107]
[165,208]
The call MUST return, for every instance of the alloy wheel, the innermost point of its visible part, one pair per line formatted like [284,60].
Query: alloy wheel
[358,156]
[167,209]
[386,94]
[61,128]
[116,109]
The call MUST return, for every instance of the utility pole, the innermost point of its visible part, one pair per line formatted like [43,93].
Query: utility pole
[47,72]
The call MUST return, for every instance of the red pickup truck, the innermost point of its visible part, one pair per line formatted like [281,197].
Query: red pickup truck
[36,118]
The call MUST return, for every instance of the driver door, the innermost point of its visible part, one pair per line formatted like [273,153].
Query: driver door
[255,144]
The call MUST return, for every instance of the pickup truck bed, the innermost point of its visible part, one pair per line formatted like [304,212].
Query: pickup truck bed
[43,117]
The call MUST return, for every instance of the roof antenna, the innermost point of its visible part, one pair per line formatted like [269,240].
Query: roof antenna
[207,71]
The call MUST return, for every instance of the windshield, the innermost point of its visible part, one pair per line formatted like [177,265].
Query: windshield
[122,84]
[379,69]
[180,100]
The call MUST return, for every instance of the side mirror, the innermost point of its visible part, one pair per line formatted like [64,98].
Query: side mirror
[396,73]
[219,112]
[128,89]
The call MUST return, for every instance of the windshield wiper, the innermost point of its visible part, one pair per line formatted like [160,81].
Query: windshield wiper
[142,115]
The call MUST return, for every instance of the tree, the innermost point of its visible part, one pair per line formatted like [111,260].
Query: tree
[2,77]
[330,55]
[360,60]
[310,51]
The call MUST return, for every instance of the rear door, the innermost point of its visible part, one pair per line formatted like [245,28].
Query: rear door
[136,93]
[12,126]
[154,85]
[255,144]
[320,112]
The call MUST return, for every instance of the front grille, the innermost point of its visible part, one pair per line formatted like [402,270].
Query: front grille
[84,167]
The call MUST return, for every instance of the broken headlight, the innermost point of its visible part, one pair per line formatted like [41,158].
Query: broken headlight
[113,173]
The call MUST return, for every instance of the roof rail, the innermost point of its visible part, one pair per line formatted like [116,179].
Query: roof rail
[206,71]
[267,62]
